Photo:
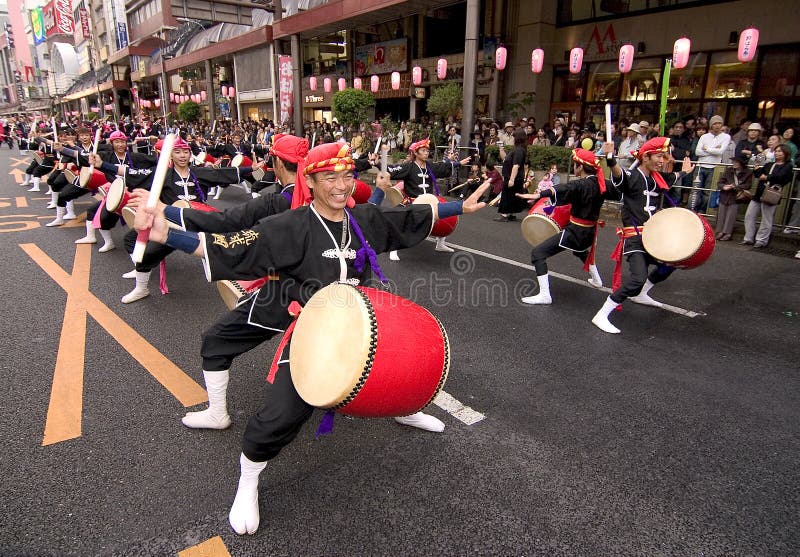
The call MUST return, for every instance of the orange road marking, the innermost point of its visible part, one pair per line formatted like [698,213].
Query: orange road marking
[18,162]
[64,415]
[22,202]
[214,547]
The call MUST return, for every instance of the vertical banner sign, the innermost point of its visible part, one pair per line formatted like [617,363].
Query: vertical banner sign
[286,88]
[85,30]
[662,113]
[121,23]
[37,25]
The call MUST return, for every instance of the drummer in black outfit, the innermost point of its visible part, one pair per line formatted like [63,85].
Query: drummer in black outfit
[586,195]
[643,190]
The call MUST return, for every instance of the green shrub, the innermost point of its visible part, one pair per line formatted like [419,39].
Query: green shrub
[189,111]
[351,107]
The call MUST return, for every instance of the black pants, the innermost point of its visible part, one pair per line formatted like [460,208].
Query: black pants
[548,248]
[637,265]
[31,167]
[41,170]
[231,336]
[279,419]
[107,220]
[70,192]
[154,253]
[57,181]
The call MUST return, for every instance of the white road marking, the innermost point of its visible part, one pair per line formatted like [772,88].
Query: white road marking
[457,409]
[666,307]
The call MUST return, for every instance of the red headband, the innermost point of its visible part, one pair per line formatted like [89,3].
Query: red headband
[426,143]
[289,148]
[587,158]
[334,157]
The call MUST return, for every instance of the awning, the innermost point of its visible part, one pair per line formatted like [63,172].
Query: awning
[87,84]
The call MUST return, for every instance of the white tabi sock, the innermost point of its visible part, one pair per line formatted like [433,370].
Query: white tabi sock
[70,211]
[53,200]
[130,274]
[543,297]
[244,516]
[59,220]
[216,415]
[644,298]
[393,255]
[421,420]
[108,241]
[35,184]
[595,279]
[90,237]
[140,290]
[601,317]
[27,180]
[441,246]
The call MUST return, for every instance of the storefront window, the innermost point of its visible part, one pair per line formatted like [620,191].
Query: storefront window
[642,82]
[728,78]
[687,83]
[779,73]
[604,79]
[567,87]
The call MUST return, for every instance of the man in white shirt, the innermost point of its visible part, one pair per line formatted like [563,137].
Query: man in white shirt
[710,150]
[507,135]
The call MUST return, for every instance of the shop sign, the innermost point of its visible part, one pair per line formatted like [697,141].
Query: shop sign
[58,18]
[311,99]
[85,30]
[382,57]
[286,88]
[37,25]
[602,44]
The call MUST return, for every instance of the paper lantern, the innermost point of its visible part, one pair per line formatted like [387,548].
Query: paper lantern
[416,76]
[231,92]
[626,52]
[312,83]
[327,85]
[172,97]
[374,83]
[576,60]
[95,109]
[537,60]
[224,90]
[680,53]
[500,56]
[342,83]
[357,83]
[441,68]
[395,81]
[203,96]
[157,103]
[748,41]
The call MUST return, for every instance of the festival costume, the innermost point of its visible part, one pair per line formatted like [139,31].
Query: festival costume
[642,196]
[69,193]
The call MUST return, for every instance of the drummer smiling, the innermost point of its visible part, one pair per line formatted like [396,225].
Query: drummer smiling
[644,190]
[312,245]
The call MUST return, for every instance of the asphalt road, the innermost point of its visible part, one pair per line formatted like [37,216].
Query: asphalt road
[677,437]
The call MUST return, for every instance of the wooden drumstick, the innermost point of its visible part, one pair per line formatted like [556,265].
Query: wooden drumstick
[55,130]
[384,158]
[495,201]
[159,176]
[459,186]
[96,140]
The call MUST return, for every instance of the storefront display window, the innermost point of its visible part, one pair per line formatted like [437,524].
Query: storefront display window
[687,83]
[728,78]
[604,80]
[779,73]
[642,82]
[567,87]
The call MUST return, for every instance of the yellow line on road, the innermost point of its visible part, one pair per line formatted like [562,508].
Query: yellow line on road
[214,547]
[22,202]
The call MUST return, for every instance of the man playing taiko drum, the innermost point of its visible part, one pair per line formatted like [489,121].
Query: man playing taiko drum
[310,247]
[643,190]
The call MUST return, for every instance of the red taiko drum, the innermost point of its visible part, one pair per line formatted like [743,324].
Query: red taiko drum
[345,353]
[117,196]
[442,227]
[241,160]
[361,193]
[71,172]
[397,195]
[90,178]
[678,237]
[538,226]
[197,205]
[203,159]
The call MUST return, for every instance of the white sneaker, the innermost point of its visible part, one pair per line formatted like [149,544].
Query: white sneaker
[422,421]
[204,419]
[393,255]
[538,299]
[444,248]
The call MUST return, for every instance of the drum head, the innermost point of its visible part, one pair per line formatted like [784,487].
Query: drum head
[537,228]
[330,345]
[128,215]
[85,176]
[672,235]
[258,174]
[237,160]
[182,204]
[427,198]
[115,194]
[395,196]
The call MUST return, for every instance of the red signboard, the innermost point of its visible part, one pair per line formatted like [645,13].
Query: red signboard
[84,15]
[286,88]
[58,18]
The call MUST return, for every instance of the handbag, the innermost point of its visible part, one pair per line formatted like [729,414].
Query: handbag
[742,196]
[771,196]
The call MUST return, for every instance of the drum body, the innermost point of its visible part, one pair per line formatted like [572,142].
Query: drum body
[678,237]
[197,205]
[397,195]
[90,178]
[232,291]
[71,172]
[117,197]
[38,156]
[442,227]
[204,159]
[241,160]
[538,226]
[223,162]
[362,192]
[351,351]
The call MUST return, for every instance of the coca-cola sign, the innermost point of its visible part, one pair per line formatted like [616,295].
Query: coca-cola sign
[58,18]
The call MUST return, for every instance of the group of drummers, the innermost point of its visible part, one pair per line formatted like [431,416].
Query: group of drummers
[316,235]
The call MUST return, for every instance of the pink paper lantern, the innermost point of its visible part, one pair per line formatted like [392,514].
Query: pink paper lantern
[157,103]
[224,90]
[231,92]
[327,85]
[95,109]
[748,42]
[342,84]
[441,68]
[537,60]
[416,76]
[626,58]
[395,81]
[357,83]
[172,97]
[203,96]
[500,56]
[374,83]
[312,83]
[680,53]
[576,60]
